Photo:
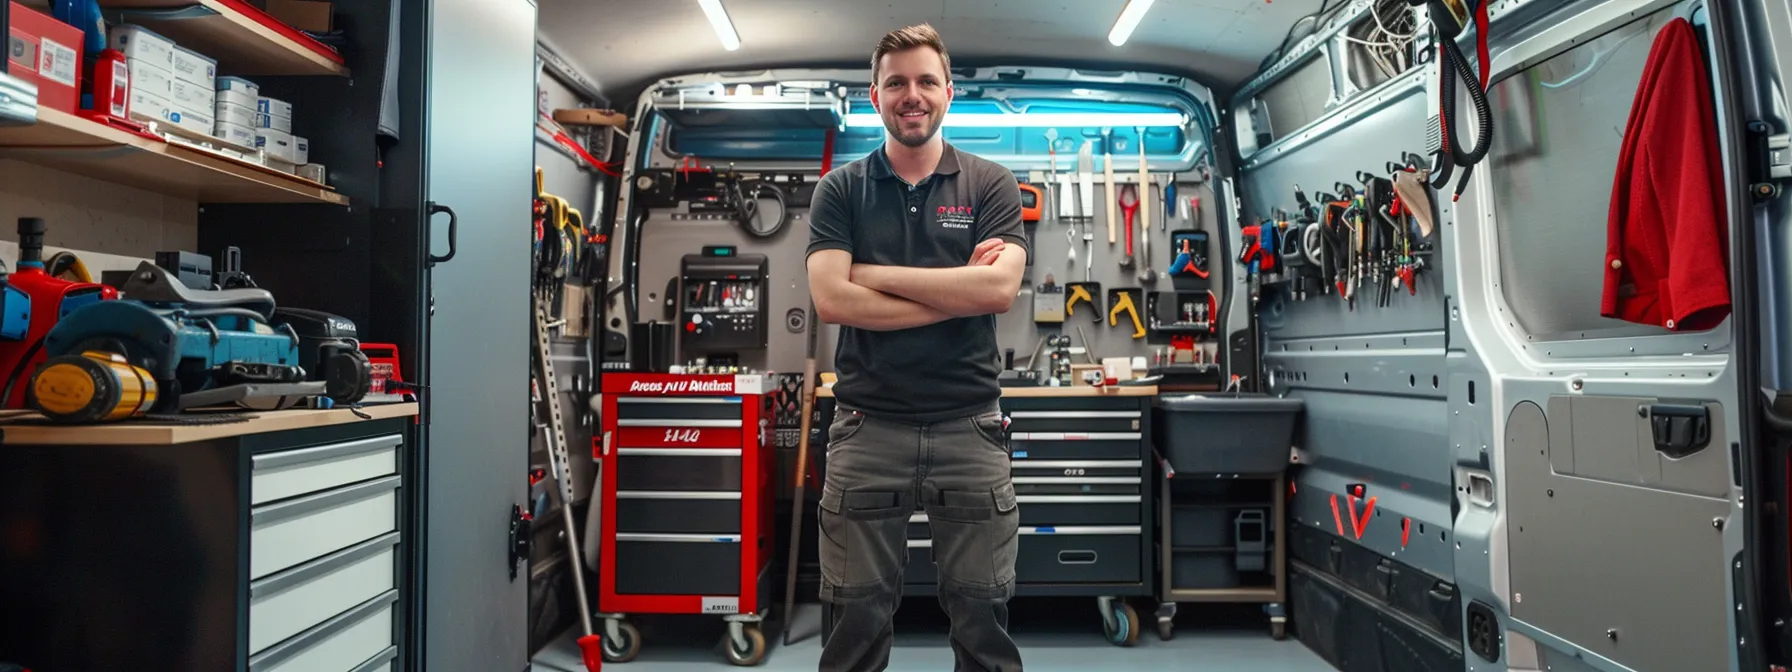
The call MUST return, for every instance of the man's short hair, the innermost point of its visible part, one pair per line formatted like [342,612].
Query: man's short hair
[903,39]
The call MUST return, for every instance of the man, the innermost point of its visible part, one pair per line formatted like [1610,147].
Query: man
[913,251]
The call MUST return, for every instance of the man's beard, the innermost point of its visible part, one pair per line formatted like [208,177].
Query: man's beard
[893,124]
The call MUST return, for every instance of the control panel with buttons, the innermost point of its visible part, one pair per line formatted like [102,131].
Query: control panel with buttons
[723,303]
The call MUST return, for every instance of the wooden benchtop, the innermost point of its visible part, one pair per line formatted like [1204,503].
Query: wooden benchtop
[1043,391]
[144,433]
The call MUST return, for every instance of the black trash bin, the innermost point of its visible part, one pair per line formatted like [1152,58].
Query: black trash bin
[1228,433]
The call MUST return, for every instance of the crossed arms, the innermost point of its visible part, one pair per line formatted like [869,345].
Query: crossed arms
[888,298]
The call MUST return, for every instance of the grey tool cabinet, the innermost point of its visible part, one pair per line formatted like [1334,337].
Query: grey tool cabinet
[1083,477]
[276,544]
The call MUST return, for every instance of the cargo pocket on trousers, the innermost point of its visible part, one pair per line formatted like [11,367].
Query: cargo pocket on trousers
[1007,533]
[855,553]
[975,535]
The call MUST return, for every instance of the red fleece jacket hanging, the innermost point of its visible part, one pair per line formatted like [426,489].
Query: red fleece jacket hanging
[1665,259]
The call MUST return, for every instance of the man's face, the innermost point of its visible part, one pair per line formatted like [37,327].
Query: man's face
[912,94]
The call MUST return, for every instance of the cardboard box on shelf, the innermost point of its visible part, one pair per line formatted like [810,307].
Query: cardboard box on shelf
[46,53]
[232,113]
[275,145]
[191,120]
[142,44]
[148,78]
[311,15]
[195,68]
[193,96]
[236,134]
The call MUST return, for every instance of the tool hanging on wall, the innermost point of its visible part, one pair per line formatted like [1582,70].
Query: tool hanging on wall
[1169,202]
[1085,163]
[1147,273]
[1048,302]
[1129,206]
[1051,185]
[1449,18]
[1122,301]
[1084,292]
[1190,248]
[1107,170]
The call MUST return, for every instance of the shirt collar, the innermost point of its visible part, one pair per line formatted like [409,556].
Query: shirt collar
[880,163]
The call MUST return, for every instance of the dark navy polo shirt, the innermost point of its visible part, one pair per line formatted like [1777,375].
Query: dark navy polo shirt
[943,370]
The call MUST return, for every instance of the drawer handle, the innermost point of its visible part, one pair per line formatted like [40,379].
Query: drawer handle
[680,538]
[378,661]
[322,566]
[318,502]
[320,453]
[1076,480]
[284,651]
[1077,464]
[1067,415]
[1076,436]
[1076,557]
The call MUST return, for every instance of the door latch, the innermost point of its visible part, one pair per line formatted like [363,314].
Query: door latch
[1680,429]
[520,522]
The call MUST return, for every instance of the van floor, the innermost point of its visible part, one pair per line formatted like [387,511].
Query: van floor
[1055,635]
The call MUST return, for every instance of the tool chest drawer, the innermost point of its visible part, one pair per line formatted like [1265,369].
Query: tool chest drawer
[1038,510]
[1027,486]
[636,411]
[678,469]
[290,473]
[298,530]
[292,601]
[678,512]
[1080,554]
[344,642]
[677,564]
[1078,468]
[1078,420]
[1076,445]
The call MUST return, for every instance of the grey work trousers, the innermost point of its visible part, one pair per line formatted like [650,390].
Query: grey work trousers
[879,472]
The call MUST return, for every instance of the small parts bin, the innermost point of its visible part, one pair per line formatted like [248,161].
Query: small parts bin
[1228,434]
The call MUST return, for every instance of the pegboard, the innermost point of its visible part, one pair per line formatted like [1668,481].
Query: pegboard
[670,233]
[88,215]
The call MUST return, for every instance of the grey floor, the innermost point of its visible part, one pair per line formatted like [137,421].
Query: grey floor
[1055,635]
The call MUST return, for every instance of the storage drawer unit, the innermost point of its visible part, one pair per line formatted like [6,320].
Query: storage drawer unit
[307,574]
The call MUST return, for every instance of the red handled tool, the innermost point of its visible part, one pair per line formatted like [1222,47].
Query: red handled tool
[1129,206]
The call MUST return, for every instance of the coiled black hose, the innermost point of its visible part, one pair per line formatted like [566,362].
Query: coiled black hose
[1456,66]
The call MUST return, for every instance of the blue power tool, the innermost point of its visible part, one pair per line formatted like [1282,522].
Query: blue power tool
[189,340]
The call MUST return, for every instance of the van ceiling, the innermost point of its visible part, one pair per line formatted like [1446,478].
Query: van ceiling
[628,44]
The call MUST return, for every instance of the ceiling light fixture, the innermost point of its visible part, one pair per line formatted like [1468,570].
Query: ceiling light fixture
[718,19]
[1129,19]
[1042,120]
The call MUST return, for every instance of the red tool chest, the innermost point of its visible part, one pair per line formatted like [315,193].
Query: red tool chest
[686,496]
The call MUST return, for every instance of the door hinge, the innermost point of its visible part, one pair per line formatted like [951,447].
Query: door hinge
[1772,161]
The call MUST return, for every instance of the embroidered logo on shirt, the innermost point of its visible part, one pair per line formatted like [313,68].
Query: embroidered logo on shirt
[955,216]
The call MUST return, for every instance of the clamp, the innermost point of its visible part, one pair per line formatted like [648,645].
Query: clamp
[1080,291]
[1123,302]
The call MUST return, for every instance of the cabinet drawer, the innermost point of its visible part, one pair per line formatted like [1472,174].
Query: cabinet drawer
[1089,554]
[1078,485]
[678,469]
[678,512]
[1077,445]
[386,661]
[290,532]
[1078,468]
[290,473]
[1084,421]
[630,411]
[287,603]
[677,564]
[341,643]
[663,434]
[1071,510]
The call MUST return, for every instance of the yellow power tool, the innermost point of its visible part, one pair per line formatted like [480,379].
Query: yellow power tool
[92,387]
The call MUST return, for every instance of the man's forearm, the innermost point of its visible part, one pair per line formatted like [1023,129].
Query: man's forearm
[854,305]
[959,291]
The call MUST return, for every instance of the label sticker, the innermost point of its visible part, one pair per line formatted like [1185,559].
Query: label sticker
[57,63]
[721,605]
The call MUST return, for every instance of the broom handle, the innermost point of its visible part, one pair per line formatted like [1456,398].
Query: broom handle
[799,501]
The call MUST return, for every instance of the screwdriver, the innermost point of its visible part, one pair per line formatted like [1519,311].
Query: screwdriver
[1169,201]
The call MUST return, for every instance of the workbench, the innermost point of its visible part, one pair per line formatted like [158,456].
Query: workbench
[276,541]
[1082,474]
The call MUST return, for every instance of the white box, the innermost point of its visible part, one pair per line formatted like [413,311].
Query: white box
[235,96]
[236,134]
[314,172]
[197,122]
[232,113]
[301,150]
[275,144]
[193,96]
[281,124]
[150,79]
[148,106]
[240,85]
[195,68]
[142,44]
[274,107]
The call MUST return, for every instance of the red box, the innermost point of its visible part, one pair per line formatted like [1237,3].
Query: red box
[47,53]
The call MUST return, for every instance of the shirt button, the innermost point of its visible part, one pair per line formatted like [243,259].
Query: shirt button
[1617,264]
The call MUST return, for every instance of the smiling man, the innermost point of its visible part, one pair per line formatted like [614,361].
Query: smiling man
[913,250]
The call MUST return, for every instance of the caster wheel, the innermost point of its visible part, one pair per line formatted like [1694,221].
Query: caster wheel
[1166,630]
[1278,631]
[753,654]
[625,648]
[1125,630]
